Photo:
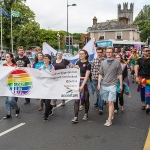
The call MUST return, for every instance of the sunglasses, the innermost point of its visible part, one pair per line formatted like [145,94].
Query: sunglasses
[99,52]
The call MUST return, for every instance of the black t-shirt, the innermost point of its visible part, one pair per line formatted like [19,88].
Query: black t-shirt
[62,65]
[144,68]
[22,62]
[84,66]
[125,57]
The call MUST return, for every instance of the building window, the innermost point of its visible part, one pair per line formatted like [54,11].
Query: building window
[102,36]
[118,35]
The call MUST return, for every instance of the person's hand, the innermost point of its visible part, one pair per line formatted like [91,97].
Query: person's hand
[40,68]
[76,66]
[121,88]
[80,88]
[137,79]
[98,87]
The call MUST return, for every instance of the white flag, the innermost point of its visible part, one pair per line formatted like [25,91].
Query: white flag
[47,49]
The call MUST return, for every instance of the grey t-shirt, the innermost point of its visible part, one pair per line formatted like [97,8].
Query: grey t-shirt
[110,72]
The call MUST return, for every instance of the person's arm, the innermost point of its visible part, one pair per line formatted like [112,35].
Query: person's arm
[121,84]
[125,72]
[101,74]
[119,72]
[92,67]
[70,65]
[99,81]
[85,79]
[136,72]
[28,63]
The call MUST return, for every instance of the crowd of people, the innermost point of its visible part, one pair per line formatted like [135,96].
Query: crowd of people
[107,76]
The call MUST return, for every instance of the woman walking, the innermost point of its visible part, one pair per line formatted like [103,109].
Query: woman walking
[10,101]
[61,63]
[49,67]
[85,84]
[38,63]
[119,95]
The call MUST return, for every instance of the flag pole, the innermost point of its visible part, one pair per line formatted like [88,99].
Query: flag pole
[11,35]
[1,30]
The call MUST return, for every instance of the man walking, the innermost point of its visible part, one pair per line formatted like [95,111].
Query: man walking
[95,66]
[22,61]
[142,72]
[110,71]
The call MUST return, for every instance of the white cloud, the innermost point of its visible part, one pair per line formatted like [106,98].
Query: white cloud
[52,14]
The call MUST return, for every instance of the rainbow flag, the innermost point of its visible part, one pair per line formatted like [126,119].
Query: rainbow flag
[19,82]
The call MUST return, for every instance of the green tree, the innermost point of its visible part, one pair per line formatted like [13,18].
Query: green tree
[26,16]
[143,22]
[29,35]
[144,14]
[50,37]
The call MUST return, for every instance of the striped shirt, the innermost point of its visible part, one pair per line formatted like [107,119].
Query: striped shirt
[95,66]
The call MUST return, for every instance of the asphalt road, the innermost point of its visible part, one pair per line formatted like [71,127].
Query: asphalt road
[128,132]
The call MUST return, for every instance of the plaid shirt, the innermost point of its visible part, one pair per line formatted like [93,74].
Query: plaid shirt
[95,66]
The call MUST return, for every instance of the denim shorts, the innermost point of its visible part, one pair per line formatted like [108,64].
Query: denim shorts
[108,93]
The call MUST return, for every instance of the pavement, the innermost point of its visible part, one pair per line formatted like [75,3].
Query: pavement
[129,130]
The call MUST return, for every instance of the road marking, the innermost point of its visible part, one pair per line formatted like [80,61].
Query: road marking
[11,129]
[66,101]
[147,143]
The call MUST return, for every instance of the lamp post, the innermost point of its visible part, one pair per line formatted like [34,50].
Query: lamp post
[58,35]
[67,20]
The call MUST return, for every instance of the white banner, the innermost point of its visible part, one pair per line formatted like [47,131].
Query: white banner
[33,83]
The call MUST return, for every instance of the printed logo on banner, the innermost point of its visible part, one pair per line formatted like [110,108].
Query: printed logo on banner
[19,82]
[69,90]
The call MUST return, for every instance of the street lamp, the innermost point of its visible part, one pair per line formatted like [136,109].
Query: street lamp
[67,20]
[58,35]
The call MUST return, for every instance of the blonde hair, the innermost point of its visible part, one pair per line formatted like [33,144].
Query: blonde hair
[20,47]
[37,48]
[110,47]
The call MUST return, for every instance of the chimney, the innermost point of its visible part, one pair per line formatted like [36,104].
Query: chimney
[94,20]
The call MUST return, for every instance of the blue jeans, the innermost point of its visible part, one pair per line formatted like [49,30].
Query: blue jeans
[10,101]
[100,101]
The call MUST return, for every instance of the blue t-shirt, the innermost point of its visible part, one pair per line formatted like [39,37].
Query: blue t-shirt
[38,65]
[51,67]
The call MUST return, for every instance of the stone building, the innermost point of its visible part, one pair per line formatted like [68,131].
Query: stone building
[122,29]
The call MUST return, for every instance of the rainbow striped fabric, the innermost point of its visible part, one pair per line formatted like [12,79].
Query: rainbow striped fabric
[19,82]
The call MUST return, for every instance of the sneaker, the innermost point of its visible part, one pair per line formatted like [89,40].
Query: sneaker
[54,105]
[132,81]
[26,103]
[147,110]
[115,111]
[85,117]
[7,117]
[143,107]
[108,123]
[74,120]
[41,108]
[51,113]
[45,119]
[100,111]
[81,107]
[17,112]
[122,108]
[63,103]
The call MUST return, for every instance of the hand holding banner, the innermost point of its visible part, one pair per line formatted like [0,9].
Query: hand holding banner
[32,83]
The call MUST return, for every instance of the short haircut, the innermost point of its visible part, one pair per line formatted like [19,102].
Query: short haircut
[99,48]
[20,47]
[110,47]
[37,48]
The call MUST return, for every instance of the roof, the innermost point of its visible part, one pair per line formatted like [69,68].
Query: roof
[112,26]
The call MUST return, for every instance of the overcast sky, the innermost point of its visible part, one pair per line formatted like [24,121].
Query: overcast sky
[52,14]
